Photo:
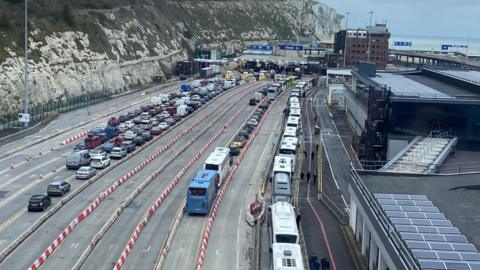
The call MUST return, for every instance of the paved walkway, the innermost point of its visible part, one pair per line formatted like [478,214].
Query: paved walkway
[325,235]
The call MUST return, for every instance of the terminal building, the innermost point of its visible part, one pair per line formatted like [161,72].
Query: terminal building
[414,192]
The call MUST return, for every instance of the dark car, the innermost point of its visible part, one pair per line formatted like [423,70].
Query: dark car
[248,128]
[130,115]
[244,133]
[144,108]
[252,102]
[80,146]
[146,136]
[107,147]
[128,145]
[138,140]
[234,150]
[113,121]
[137,120]
[156,131]
[260,110]
[138,130]
[123,118]
[39,203]
[263,106]
[58,188]
[137,112]
[256,117]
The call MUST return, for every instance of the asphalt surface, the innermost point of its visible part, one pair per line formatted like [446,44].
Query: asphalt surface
[32,177]
[322,231]
[231,242]
[74,245]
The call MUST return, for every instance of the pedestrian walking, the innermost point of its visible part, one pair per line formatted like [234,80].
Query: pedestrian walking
[314,179]
[313,155]
[316,146]
[308,176]
[305,153]
[299,218]
[325,264]
[301,176]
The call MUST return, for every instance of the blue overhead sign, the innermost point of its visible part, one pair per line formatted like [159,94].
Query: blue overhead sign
[290,47]
[259,47]
[402,43]
[446,47]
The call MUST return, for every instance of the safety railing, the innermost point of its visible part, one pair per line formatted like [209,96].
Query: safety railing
[393,236]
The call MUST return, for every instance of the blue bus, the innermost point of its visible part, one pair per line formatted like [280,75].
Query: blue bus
[202,191]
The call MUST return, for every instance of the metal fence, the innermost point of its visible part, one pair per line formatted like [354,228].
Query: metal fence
[39,112]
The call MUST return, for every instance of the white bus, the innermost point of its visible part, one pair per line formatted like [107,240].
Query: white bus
[293,121]
[295,112]
[288,149]
[283,225]
[282,164]
[287,257]
[290,132]
[294,99]
[294,105]
[219,161]
[292,140]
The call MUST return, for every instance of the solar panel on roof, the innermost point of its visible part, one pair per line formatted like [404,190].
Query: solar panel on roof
[455,238]
[432,265]
[403,86]
[464,247]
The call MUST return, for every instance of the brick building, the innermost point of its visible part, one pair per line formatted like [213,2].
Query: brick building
[358,42]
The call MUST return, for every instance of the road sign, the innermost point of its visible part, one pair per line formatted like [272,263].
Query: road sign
[23,117]
[402,43]
[446,47]
[259,47]
[290,47]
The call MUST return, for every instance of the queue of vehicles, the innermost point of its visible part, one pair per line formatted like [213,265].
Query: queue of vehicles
[285,250]
[123,134]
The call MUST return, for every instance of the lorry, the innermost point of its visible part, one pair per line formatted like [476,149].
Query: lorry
[92,141]
[206,72]
[159,99]
[112,131]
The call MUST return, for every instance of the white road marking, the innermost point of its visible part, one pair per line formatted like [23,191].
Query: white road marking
[147,250]
[75,245]
[217,252]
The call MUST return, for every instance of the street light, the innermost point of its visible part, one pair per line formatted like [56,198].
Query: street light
[369,36]
[345,45]
[25,86]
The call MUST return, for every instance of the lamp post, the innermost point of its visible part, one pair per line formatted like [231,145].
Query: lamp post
[25,86]
[369,36]
[345,45]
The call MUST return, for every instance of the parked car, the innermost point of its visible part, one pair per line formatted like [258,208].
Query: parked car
[252,122]
[156,130]
[97,153]
[107,147]
[129,134]
[238,141]
[146,136]
[128,145]
[85,172]
[100,162]
[252,102]
[113,121]
[80,146]
[129,124]
[39,203]
[170,121]
[244,133]
[163,125]
[138,140]
[58,188]
[123,118]
[118,152]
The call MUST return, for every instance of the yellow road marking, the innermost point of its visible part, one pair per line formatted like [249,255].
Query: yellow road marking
[12,219]
[28,172]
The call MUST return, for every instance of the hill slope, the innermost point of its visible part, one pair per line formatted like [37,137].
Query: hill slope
[99,45]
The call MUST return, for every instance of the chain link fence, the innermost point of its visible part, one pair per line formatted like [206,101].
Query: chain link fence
[39,112]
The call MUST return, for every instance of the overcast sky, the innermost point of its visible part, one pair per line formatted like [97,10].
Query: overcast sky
[436,18]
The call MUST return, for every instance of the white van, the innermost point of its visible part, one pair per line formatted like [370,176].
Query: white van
[287,256]
[293,121]
[295,112]
[290,132]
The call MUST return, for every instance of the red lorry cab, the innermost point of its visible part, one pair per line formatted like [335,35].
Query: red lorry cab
[92,141]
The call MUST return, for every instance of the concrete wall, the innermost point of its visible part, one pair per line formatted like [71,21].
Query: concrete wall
[372,247]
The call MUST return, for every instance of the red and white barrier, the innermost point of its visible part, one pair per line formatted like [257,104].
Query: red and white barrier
[75,137]
[41,259]
[151,210]
[213,214]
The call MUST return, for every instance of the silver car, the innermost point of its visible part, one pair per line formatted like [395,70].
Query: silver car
[85,172]
[118,152]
